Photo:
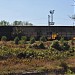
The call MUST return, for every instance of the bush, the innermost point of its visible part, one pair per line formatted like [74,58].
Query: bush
[22,42]
[62,40]
[16,40]
[32,40]
[43,39]
[37,46]
[41,46]
[4,38]
[65,46]
[24,38]
[55,44]
[21,55]
[60,46]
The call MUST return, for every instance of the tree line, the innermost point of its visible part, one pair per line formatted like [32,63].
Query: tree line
[15,23]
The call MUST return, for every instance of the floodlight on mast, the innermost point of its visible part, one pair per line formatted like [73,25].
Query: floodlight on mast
[50,17]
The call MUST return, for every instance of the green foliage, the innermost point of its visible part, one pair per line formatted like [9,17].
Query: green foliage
[23,40]
[69,72]
[60,46]
[4,23]
[62,39]
[50,56]
[43,38]
[41,46]
[32,40]
[65,46]
[16,40]
[4,38]
[35,52]
[55,52]
[37,46]
[55,44]
[15,23]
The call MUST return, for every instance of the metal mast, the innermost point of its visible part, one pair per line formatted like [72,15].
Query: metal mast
[50,18]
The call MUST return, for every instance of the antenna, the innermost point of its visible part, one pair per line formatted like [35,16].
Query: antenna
[51,16]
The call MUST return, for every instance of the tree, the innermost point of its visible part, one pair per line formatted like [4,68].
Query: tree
[27,23]
[17,23]
[17,32]
[22,23]
[4,23]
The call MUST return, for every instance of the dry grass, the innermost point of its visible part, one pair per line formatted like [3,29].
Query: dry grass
[71,61]
[16,64]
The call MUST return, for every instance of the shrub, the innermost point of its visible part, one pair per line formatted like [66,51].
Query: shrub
[24,38]
[22,42]
[55,44]
[4,38]
[16,40]
[32,40]
[30,54]
[69,72]
[37,46]
[60,46]
[65,46]
[21,55]
[41,46]
[43,39]
[62,39]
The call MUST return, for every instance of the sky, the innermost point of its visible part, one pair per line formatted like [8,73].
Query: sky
[37,11]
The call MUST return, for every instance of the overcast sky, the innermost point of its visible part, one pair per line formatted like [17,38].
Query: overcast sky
[37,11]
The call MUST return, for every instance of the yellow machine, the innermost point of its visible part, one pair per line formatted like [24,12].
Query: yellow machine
[54,35]
[73,38]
